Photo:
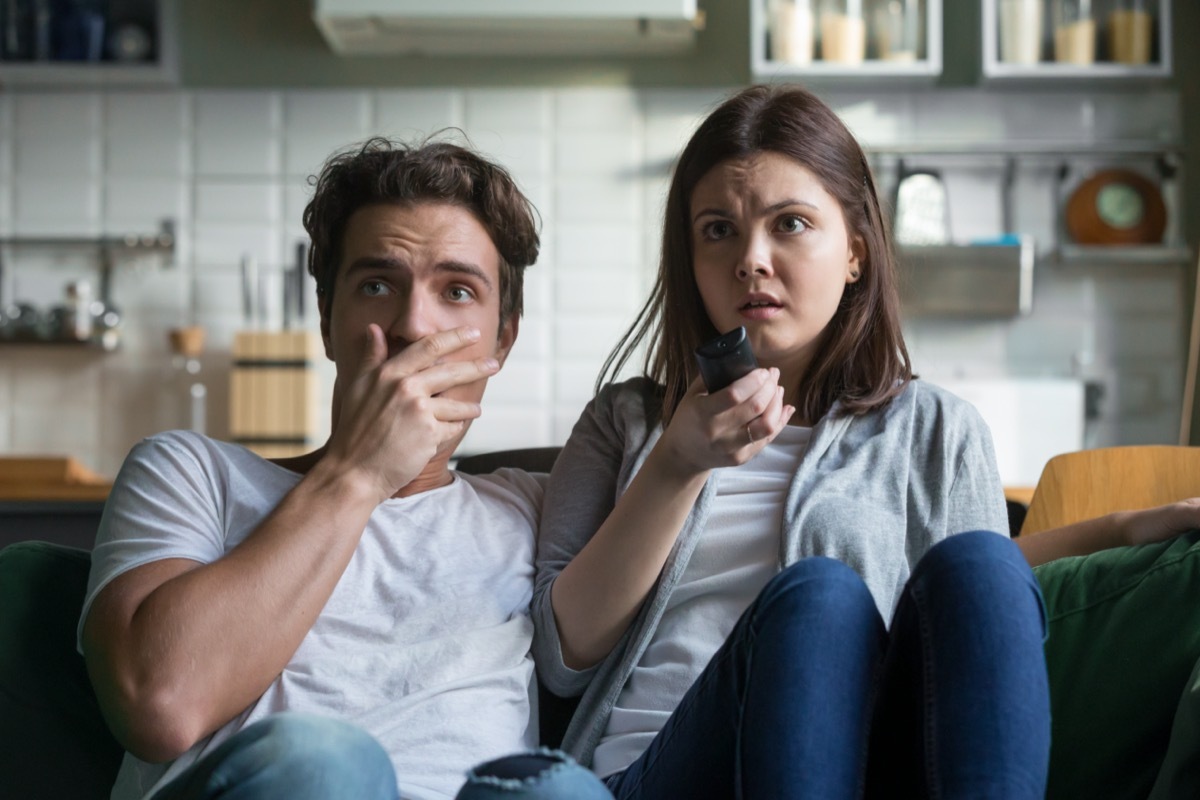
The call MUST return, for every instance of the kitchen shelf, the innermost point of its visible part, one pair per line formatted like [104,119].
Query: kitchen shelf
[1047,71]
[923,70]
[162,71]
[1122,255]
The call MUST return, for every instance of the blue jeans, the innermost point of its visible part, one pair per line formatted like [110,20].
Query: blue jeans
[812,696]
[307,757]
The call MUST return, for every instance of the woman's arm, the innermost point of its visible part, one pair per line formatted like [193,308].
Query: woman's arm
[598,593]
[1118,529]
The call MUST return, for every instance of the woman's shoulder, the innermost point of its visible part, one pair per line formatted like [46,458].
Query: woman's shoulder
[928,408]
[634,398]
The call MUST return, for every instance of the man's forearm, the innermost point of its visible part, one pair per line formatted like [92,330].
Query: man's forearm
[177,649]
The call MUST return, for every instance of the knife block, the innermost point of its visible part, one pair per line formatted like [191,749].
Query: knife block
[274,390]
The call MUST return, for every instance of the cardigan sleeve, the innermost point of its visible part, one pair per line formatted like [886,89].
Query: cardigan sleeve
[581,493]
[976,497]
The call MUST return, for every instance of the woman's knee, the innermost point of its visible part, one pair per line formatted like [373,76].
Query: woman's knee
[816,585]
[980,569]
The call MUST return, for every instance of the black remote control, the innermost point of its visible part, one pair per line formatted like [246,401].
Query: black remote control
[725,359]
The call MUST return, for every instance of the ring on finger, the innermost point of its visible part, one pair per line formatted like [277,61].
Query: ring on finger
[749,435]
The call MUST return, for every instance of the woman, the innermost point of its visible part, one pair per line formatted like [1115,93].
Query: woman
[817,494]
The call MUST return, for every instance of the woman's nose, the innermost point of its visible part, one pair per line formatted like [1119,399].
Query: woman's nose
[755,258]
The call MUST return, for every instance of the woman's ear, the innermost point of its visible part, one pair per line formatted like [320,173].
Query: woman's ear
[858,257]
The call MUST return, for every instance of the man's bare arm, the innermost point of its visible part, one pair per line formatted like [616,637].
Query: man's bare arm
[176,649]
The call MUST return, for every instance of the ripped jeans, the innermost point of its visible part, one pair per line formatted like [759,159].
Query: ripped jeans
[308,757]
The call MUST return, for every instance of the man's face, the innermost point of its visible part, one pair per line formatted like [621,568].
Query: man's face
[415,270]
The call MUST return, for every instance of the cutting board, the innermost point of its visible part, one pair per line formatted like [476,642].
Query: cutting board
[274,391]
[49,478]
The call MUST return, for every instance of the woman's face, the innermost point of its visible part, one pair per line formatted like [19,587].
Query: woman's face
[771,252]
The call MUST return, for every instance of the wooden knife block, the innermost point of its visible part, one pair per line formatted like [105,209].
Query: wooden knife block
[274,390]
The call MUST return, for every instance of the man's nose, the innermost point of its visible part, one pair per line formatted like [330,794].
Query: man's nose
[413,318]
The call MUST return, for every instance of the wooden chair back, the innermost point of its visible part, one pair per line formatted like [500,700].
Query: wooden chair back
[1089,483]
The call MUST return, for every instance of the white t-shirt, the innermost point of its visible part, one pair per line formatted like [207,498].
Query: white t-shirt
[424,642]
[737,554]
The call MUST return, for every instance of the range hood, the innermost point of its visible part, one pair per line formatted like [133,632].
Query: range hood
[508,27]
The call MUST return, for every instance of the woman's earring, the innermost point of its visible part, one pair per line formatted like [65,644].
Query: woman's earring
[854,274]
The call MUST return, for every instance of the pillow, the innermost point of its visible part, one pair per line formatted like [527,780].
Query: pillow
[1123,639]
[56,743]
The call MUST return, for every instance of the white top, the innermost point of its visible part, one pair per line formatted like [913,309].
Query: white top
[737,554]
[425,640]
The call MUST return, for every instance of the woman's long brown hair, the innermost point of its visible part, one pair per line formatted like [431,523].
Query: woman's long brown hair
[861,359]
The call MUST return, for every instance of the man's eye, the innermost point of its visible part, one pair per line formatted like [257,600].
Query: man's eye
[792,224]
[459,294]
[374,288]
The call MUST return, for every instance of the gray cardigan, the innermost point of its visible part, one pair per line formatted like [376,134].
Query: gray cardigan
[875,491]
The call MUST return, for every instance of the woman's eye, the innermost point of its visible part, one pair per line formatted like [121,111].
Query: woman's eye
[718,229]
[792,224]
[374,288]
[459,294]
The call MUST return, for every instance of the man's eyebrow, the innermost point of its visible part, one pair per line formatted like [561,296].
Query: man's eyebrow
[368,263]
[374,263]
[466,268]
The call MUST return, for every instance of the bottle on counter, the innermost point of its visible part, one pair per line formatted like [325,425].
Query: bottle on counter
[843,32]
[1074,32]
[1130,32]
[79,311]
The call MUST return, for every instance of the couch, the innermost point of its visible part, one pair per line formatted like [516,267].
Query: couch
[1122,656]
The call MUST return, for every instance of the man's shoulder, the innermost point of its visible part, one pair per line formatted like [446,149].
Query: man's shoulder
[507,486]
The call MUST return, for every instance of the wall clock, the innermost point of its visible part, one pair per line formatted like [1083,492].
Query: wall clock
[1116,206]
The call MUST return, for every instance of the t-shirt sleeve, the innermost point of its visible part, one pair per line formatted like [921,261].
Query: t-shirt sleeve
[163,504]
[580,495]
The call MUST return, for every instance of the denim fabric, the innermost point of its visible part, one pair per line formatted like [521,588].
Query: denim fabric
[812,697]
[541,775]
[292,755]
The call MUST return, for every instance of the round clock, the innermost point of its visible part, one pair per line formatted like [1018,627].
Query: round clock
[1116,206]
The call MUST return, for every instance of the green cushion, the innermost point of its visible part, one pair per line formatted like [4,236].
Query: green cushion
[1180,773]
[1124,637]
[55,743]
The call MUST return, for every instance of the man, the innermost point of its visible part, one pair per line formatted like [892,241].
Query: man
[318,626]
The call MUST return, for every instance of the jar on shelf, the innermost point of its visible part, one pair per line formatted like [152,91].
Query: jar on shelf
[1130,32]
[1074,32]
[790,25]
[843,31]
[1021,31]
[896,30]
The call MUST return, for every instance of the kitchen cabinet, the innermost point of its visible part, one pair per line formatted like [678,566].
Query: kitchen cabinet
[1071,40]
[133,44]
[843,41]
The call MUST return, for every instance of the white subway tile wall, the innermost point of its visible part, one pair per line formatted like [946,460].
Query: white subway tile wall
[229,168]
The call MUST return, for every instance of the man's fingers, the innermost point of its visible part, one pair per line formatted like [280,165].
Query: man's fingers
[374,349]
[449,374]
[428,351]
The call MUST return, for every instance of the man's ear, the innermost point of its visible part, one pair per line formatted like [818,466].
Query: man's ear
[508,337]
[323,309]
